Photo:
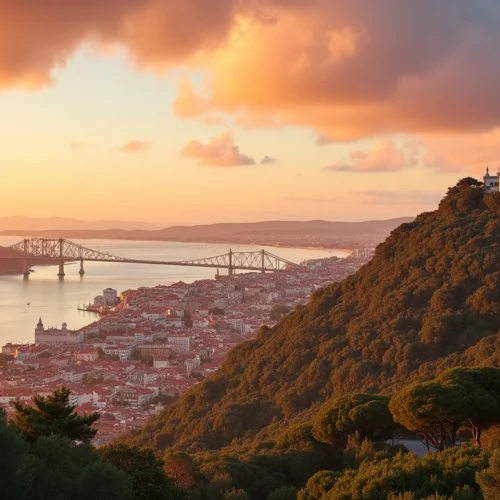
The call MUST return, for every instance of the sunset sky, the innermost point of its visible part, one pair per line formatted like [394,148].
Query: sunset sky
[197,111]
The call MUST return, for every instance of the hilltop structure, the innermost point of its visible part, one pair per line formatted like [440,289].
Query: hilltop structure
[491,181]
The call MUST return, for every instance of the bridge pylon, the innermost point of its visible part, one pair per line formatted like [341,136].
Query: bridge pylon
[230,270]
[61,272]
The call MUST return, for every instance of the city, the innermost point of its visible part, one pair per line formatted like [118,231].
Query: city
[250,250]
[154,344]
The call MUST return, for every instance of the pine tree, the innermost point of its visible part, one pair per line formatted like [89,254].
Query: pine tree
[53,416]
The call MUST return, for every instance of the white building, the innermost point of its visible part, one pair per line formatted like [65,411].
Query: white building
[180,344]
[124,352]
[55,337]
[110,297]
[491,181]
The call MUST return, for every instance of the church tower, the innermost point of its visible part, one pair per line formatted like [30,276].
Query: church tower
[491,182]
[39,327]
[39,330]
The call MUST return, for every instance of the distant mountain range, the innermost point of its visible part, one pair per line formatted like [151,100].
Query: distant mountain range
[328,234]
[55,223]
[374,227]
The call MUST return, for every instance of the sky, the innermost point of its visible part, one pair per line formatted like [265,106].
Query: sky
[197,111]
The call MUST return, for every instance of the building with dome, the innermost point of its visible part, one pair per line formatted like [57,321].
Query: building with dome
[491,181]
[56,337]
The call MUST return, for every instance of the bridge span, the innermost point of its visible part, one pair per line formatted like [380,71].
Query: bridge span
[42,251]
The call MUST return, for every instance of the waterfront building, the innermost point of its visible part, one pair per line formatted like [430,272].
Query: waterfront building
[110,297]
[55,337]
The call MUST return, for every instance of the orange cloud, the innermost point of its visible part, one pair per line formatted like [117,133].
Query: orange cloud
[384,156]
[37,37]
[135,146]
[347,69]
[218,152]
[356,69]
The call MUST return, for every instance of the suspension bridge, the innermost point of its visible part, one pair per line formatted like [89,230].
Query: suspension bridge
[41,251]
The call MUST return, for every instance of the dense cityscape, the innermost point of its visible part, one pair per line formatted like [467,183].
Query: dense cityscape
[153,344]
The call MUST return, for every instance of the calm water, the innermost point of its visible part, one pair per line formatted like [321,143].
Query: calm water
[56,302]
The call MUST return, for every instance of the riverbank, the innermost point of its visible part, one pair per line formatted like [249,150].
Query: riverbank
[327,248]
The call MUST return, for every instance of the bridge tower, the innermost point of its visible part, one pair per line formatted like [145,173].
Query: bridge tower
[61,273]
[26,267]
[230,268]
[263,262]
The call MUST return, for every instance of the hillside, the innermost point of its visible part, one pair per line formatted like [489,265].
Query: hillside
[429,299]
[374,227]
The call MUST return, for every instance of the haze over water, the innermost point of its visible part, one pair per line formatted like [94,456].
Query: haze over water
[56,302]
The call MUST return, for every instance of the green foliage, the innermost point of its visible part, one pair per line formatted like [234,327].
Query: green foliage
[52,468]
[365,414]
[181,469]
[53,416]
[283,493]
[236,495]
[450,474]
[459,397]
[429,300]
[278,311]
[319,485]
[489,479]
[433,410]
[480,393]
[15,477]
[144,469]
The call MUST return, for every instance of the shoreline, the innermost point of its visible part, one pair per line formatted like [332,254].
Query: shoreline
[215,242]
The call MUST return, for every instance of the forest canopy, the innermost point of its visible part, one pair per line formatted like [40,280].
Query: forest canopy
[428,300]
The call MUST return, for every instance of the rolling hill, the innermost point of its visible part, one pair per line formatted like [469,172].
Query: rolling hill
[429,300]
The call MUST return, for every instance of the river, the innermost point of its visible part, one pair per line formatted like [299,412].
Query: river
[22,302]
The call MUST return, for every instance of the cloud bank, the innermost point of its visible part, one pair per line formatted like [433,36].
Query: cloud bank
[347,69]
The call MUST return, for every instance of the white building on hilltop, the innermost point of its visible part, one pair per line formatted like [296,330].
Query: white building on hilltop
[56,337]
[491,181]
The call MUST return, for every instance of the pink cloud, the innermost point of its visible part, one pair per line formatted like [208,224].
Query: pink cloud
[135,146]
[218,152]
[384,156]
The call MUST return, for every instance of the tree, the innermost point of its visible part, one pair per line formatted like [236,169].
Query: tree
[15,474]
[278,311]
[481,396]
[53,416]
[236,495]
[63,471]
[283,493]
[463,184]
[433,410]
[318,485]
[145,470]
[101,481]
[181,469]
[365,414]
[489,479]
